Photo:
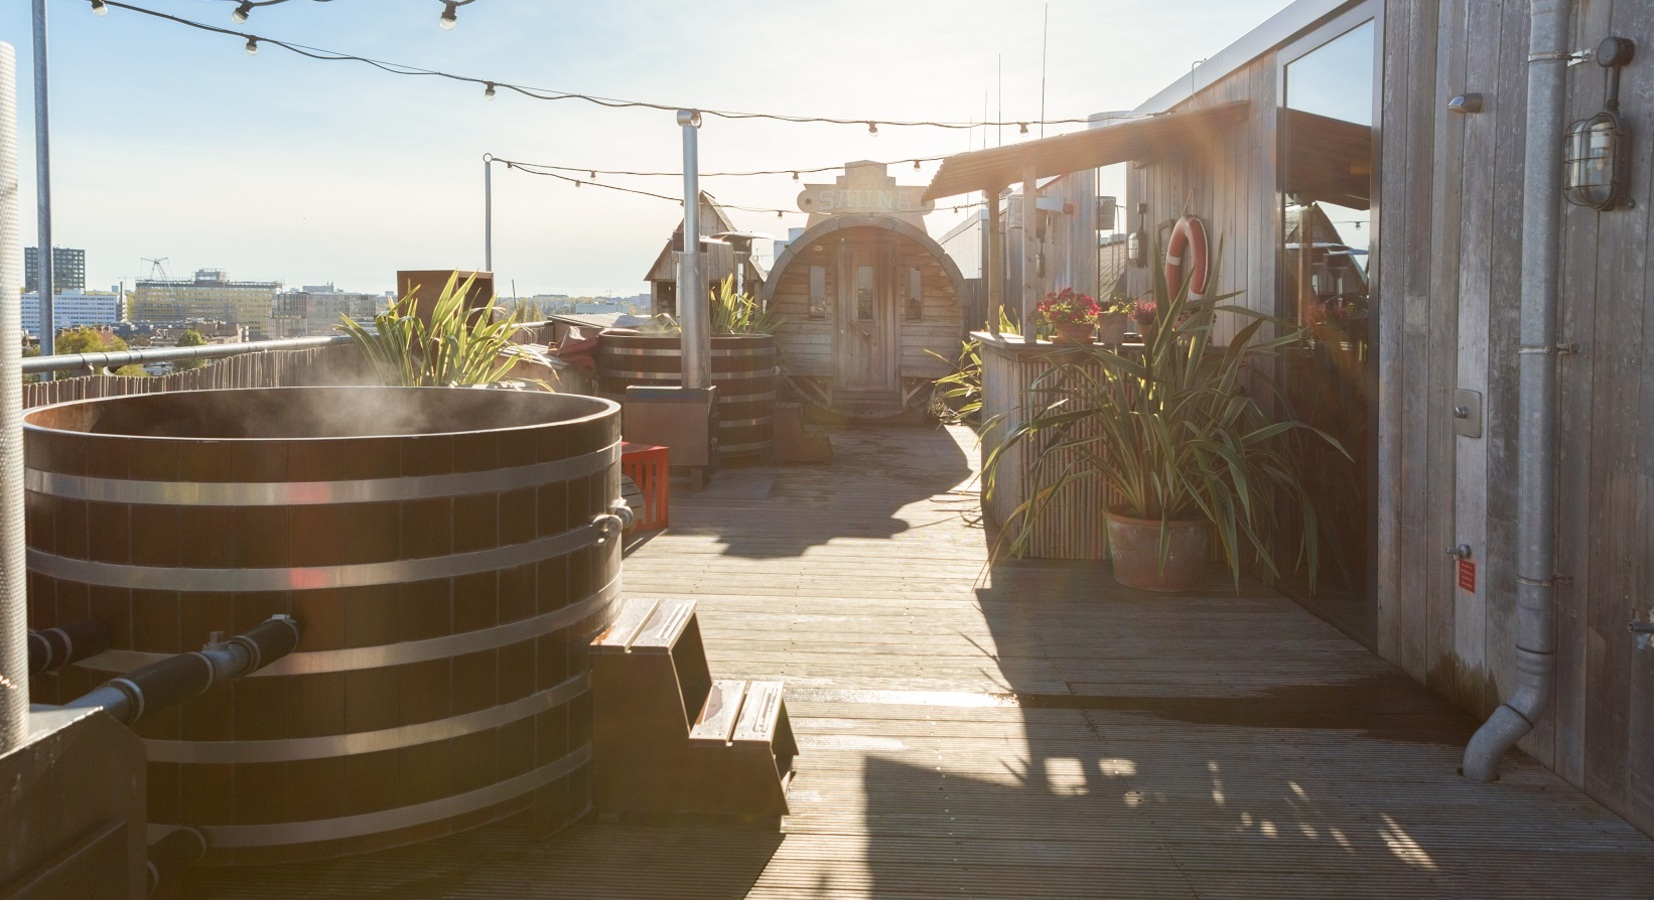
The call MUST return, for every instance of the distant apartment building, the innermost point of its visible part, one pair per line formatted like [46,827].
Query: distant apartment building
[210,295]
[316,308]
[71,309]
[68,269]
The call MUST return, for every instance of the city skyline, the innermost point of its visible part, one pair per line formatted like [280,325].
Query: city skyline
[170,142]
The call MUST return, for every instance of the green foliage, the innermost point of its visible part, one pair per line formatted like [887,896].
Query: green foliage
[86,339]
[190,338]
[958,396]
[1178,430]
[734,313]
[456,347]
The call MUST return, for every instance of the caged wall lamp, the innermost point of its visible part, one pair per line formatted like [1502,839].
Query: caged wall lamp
[1597,153]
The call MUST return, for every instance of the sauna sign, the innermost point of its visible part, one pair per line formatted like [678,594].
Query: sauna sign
[865,188]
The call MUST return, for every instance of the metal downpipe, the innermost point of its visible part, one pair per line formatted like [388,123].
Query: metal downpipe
[1536,440]
[14,603]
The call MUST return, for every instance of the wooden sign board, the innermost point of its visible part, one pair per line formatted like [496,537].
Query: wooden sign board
[865,188]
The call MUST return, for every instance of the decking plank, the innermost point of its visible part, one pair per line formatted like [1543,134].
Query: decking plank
[1033,732]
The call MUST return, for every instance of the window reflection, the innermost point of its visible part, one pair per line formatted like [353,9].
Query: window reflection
[1327,178]
[864,292]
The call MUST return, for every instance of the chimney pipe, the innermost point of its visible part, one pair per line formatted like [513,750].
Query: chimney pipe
[14,601]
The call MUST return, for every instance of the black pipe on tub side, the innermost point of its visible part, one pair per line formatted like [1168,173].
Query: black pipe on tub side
[51,649]
[178,678]
[170,856]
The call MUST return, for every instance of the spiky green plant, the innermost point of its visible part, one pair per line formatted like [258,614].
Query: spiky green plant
[1180,430]
[737,313]
[455,346]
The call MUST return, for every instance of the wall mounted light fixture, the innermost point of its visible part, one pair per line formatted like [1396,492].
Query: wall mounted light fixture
[1465,104]
[1597,155]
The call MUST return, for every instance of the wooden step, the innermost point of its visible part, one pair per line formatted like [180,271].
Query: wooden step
[721,714]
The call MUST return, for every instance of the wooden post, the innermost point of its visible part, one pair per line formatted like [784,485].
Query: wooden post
[1030,251]
[995,268]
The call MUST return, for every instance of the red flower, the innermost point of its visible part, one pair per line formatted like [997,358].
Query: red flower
[1068,307]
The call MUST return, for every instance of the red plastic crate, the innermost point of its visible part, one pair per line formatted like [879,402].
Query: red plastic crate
[649,467]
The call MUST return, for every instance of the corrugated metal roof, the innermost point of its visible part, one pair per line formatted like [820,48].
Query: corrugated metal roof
[1137,139]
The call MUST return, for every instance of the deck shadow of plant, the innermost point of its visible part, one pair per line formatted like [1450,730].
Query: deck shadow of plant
[809,505]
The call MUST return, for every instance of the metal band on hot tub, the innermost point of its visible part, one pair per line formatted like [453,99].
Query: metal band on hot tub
[673,376]
[289,749]
[674,352]
[350,659]
[306,578]
[312,493]
[230,836]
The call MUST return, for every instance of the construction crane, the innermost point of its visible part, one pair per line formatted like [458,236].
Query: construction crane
[158,273]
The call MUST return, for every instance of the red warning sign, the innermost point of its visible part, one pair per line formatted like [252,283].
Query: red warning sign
[1467,575]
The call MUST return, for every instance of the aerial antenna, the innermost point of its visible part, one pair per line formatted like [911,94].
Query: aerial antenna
[1044,46]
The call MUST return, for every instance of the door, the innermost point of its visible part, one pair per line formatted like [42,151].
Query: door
[866,351]
[1327,170]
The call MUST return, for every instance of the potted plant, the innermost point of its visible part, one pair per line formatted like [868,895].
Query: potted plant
[1182,434]
[1114,320]
[1070,315]
[453,346]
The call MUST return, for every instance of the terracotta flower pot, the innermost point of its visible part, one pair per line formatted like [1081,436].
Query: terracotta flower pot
[1134,546]
[1111,328]
[1063,333]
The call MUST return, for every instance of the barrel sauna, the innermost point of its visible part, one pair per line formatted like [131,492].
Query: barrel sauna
[445,552]
[743,367]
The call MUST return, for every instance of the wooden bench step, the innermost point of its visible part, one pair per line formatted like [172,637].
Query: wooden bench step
[759,714]
[720,714]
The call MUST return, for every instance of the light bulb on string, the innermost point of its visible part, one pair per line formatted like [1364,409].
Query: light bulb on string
[873,128]
[488,92]
[241,12]
[1023,126]
[252,46]
[450,16]
[100,8]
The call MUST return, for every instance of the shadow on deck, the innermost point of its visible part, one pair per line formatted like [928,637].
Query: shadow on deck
[1033,731]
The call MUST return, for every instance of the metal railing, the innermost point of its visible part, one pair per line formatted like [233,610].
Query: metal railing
[95,362]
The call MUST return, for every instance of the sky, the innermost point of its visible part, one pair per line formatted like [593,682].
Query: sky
[169,142]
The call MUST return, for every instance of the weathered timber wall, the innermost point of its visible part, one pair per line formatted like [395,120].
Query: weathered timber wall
[1447,288]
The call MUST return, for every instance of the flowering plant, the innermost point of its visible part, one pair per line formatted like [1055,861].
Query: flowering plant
[1144,312]
[1068,307]
[1119,303]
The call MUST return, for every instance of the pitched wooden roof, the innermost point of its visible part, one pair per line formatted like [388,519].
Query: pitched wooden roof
[1000,167]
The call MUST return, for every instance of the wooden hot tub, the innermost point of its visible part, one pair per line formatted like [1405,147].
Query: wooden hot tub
[442,550]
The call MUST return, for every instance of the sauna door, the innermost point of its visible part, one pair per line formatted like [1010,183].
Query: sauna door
[865,352]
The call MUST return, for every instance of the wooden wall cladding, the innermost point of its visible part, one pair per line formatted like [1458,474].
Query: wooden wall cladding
[1447,274]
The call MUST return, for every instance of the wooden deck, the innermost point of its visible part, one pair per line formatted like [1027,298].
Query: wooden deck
[1037,733]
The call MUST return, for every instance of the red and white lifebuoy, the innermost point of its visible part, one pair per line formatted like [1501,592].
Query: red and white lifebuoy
[1188,236]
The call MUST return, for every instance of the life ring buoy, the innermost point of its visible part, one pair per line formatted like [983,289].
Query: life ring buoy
[1188,236]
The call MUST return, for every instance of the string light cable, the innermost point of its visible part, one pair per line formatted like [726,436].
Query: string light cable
[549,94]
[243,9]
[595,172]
[526,169]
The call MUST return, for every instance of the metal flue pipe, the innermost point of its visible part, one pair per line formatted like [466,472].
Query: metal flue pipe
[178,678]
[14,602]
[43,174]
[693,309]
[1536,440]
